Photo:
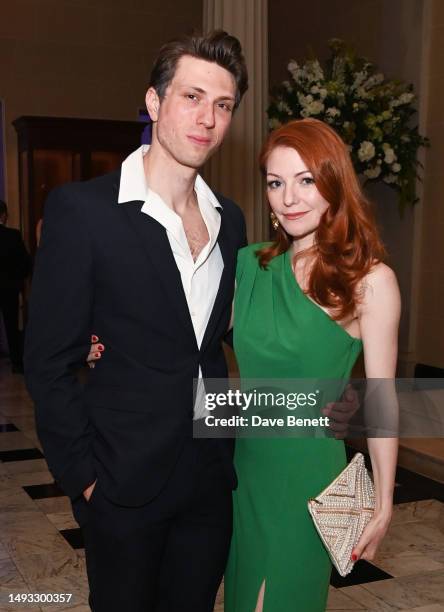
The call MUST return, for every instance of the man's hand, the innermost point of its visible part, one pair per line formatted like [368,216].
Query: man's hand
[341,413]
[88,491]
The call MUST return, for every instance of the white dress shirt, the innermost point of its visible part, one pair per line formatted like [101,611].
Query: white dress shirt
[200,278]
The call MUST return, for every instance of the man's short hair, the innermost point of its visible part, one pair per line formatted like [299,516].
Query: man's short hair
[216,46]
[3,209]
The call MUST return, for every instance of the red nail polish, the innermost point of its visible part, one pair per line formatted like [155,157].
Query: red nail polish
[94,338]
[97,354]
[100,347]
[354,557]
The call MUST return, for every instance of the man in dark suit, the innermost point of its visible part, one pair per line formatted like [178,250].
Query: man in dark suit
[15,265]
[145,258]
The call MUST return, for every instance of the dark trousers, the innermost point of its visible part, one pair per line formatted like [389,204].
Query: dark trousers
[9,307]
[170,554]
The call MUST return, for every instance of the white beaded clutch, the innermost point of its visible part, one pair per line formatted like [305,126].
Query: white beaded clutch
[341,512]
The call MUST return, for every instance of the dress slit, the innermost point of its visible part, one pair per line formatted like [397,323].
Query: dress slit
[260,598]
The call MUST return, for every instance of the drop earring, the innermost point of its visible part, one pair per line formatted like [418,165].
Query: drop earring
[274,221]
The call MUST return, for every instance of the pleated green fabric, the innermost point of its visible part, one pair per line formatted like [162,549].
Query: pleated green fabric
[280,333]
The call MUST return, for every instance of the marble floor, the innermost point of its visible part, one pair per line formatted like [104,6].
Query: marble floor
[41,549]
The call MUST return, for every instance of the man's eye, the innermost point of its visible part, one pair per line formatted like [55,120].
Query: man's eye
[273,184]
[192,97]
[225,107]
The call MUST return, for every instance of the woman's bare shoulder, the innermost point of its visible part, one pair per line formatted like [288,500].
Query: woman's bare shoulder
[379,284]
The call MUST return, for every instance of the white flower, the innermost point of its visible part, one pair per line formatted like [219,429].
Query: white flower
[375,79]
[332,111]
[314,71]
[274,123]
[366,151]
[294,69]
[359,79]
[321,91]
[304,100]
[283,107]
[361,92]
[396,167]
[390,178]
[315,107]
[404,98]
[373,172]
[389,154]
[292,66]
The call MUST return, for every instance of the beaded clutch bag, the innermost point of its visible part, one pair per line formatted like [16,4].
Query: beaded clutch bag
[341,512]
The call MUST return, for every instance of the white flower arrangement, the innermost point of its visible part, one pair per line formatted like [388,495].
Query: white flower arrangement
[372,114]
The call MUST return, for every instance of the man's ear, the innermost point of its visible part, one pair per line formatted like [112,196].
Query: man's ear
[152,103]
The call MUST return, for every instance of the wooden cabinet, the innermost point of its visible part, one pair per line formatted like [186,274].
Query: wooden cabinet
[54,150]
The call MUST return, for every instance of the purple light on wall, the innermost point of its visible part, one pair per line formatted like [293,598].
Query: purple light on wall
[145,118]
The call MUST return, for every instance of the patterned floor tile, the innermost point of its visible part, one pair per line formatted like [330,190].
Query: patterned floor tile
[362,572]
[5,427]
[21,454]
[73,537]
[42,491]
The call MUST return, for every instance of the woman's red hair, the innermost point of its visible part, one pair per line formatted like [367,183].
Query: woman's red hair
[347,244]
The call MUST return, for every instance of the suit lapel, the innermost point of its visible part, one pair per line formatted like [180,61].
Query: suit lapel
[154,240]
[225,290]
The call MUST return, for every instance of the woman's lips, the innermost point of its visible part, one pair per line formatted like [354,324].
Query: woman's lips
[294,216]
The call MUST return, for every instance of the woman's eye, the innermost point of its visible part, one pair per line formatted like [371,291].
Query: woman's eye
[308,180]
[273,184]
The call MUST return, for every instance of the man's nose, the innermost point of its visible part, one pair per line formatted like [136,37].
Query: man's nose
[206,115]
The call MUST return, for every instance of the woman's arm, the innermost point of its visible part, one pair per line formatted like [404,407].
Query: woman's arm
[379,315]
[379,321]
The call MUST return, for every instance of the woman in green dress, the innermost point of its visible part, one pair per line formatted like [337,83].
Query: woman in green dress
[306,305]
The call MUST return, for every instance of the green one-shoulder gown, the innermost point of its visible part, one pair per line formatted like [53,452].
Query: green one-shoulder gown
[280,333]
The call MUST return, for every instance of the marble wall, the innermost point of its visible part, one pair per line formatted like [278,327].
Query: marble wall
[430,309]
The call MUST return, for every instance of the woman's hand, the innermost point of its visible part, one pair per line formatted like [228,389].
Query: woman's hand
[95,351]
[372,536]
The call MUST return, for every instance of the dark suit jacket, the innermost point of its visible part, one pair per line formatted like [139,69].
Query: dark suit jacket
[15,263]
[107,268]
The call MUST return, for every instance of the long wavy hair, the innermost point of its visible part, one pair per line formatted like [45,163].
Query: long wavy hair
[346,244]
